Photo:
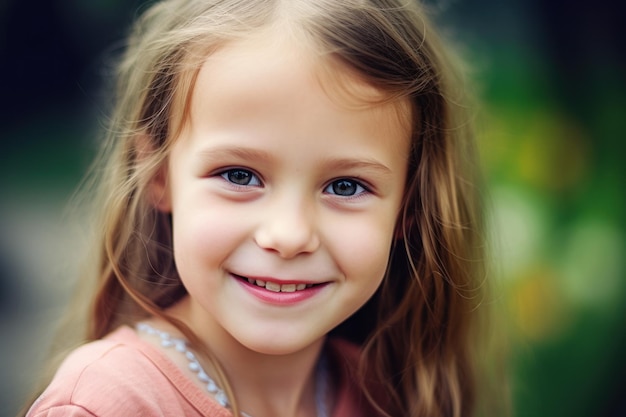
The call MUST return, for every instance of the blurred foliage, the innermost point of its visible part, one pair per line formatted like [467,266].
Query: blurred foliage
[551,77]
[553,151]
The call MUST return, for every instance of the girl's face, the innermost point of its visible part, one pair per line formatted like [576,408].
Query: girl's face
[283,199]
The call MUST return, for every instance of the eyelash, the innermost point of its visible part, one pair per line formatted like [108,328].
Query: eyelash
[360,188]
[226,175]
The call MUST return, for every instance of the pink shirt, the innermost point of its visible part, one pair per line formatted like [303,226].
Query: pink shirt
[122,375]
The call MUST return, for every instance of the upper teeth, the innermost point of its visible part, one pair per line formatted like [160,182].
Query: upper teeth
[272,286]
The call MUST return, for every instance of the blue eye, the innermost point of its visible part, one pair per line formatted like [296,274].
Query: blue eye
[345,188]
[241,177]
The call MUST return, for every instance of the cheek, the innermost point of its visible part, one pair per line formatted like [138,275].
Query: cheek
[364,253]
[202,237]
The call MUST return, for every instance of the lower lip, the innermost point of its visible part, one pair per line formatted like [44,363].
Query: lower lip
[280,298]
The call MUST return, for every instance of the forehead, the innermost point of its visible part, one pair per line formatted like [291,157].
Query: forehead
[240,68]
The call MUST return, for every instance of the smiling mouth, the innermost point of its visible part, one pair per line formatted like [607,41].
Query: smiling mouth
[275,287]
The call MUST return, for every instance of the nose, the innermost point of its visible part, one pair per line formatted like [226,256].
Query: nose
[288,228]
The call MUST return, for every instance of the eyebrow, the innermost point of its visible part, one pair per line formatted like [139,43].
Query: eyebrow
[371,165]
[235,152]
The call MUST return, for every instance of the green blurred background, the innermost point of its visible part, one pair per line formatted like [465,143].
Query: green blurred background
[551,76]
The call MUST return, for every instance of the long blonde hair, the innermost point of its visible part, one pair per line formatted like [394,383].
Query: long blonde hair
[417,330]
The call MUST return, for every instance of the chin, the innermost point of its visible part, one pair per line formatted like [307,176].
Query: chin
[278,347]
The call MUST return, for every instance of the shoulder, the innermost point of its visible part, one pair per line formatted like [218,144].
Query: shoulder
[112,358]
[108,377]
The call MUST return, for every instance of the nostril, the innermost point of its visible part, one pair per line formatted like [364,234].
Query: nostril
[287,241]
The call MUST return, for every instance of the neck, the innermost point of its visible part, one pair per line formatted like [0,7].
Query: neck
[273,385]
[264,384]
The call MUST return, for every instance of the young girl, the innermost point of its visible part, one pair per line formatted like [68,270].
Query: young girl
[289,220]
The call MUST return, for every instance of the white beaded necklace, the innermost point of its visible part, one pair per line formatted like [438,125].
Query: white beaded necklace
[220,396]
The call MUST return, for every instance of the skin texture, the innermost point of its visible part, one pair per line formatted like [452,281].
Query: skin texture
[275,179]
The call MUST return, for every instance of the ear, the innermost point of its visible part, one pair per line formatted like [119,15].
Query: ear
[407,224]
[157,190]
[398,233]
